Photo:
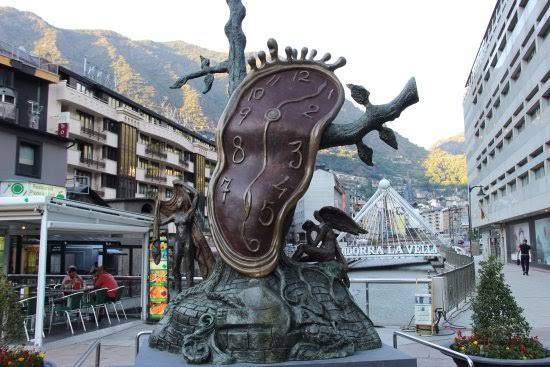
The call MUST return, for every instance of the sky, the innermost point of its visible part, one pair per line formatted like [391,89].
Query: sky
[385,42]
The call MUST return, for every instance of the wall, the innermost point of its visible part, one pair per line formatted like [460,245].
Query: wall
[54,159]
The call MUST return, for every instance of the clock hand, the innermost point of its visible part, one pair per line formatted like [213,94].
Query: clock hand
[303,98]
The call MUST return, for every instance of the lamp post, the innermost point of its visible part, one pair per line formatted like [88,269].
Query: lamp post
[480,193]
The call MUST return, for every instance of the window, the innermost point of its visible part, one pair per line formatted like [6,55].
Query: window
[539,171]
[142,188]
[143,139]
[524,180]
[512,186]
[86,151]
[110,153]
[143,163]
[108,180]
[110,125]
[86,120]
[28,159]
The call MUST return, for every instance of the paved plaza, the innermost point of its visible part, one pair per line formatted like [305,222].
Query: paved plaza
[118,342]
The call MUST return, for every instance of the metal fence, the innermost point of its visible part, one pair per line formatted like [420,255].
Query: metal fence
[130,282]
[456,285]
[454,259]
[27,57]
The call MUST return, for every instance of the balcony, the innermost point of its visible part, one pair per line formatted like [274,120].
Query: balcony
[183,162]
[155,151]
[93,134]
[9,112]
[98,164]
[63,92]
[154,175]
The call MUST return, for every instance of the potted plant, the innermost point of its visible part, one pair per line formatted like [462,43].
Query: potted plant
[500,334]
[11,332]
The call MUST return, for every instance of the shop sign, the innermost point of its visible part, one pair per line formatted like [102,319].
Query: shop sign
[22,188]
[158,281]
[390,250]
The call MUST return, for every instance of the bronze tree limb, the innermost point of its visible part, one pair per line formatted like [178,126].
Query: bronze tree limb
[373,119]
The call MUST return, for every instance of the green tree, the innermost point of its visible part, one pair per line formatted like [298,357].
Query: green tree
[11,318]
[443,168]
[497,318]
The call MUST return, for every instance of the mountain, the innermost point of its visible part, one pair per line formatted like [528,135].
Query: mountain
[144,70]
[446,162]
[454,144]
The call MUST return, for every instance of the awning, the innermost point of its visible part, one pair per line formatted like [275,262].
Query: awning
[67,216]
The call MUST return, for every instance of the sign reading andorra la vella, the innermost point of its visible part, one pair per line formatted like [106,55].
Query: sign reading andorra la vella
[389,250]
[22,188]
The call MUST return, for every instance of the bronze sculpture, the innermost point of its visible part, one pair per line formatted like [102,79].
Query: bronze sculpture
[190,243]
[259,306]
[329,218]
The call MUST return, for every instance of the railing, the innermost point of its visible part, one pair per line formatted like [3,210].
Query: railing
[458,285]
[93,163]
[378,309]
[96,346]
[93,133]
[132,283]
[8,111]
[138,337]
[155,176]
[151,150]
[20,54]
[455,259]
[447,351]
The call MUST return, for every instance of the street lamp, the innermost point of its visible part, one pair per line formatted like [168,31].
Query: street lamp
[480,193]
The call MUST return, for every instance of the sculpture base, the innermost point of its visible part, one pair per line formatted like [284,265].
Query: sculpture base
[381,357]
[299,312]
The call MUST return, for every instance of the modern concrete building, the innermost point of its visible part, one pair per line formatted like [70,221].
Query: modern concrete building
[324,190]
[32,156]
[122,149]
[507,131]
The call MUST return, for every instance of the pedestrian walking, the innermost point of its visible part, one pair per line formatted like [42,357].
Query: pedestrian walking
[524,252]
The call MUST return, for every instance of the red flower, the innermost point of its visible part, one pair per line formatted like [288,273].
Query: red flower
[522,349]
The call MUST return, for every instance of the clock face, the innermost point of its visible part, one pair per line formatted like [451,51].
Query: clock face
[267,144]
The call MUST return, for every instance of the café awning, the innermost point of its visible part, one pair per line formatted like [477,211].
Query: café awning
[54,215]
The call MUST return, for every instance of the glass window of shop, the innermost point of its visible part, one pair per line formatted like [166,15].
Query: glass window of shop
[542,239]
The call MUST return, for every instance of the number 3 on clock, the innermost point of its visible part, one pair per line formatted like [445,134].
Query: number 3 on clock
[296,162]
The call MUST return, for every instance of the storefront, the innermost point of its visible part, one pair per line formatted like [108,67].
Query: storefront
[536,230]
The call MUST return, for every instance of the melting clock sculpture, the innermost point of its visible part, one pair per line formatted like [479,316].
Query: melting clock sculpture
[258,305]
[267,143]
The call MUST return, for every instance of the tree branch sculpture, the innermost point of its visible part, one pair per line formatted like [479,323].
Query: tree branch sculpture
[336,134]
[373,119]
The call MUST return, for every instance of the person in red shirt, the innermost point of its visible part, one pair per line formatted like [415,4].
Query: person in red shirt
[102,279]
[72,280]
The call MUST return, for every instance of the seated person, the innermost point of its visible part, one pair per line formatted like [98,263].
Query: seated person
[102,279]
[72,280]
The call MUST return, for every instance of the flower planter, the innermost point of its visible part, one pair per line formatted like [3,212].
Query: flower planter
[495,362]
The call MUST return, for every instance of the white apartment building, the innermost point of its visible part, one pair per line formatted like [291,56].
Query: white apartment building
[434,217]
[324,190]
[507,131]
[122,149]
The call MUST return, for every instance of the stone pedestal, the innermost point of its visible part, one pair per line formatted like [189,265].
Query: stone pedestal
[385,356]
[299,312]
